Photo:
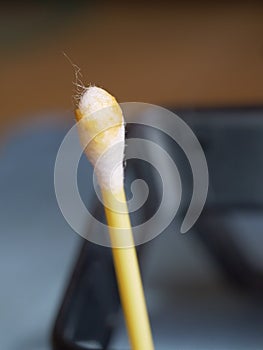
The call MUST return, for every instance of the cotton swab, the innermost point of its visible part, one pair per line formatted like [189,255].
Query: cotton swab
[101,128]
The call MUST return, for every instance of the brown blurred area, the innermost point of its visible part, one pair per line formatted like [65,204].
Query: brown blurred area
[180,54]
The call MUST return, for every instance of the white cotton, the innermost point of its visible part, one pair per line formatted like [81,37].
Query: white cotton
[94,99]
[101,129]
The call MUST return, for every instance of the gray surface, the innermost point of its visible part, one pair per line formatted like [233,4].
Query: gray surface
[37,247]
[190,306]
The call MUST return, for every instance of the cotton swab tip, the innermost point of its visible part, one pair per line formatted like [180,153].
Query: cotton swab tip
[101,130]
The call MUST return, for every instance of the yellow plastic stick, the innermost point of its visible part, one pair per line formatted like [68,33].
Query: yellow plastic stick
[128,275]
[101,125]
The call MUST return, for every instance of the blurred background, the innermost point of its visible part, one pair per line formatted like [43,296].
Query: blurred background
[182,54]
[202,59]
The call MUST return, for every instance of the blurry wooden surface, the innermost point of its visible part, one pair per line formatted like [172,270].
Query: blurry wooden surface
[180,55]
